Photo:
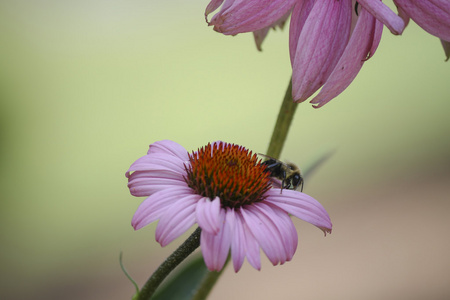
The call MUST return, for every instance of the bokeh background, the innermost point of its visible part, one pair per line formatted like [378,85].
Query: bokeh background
[86,86]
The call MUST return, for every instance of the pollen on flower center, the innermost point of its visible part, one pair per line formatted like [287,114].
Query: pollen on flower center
[229,172]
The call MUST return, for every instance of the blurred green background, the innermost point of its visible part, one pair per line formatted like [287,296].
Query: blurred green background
[86,86]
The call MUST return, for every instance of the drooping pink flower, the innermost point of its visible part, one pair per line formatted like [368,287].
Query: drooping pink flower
[225,190]
[328,41]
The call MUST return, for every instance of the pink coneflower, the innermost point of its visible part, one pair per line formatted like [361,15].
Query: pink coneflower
[329,40]
[225,190]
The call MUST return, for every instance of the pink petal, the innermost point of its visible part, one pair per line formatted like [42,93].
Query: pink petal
[266,226]
[375,41]
[145,183]
[244,244]
[363,43]
[169,147]
[154,206]
[237,241]
[301,206]
[432,15]
[285,227]
[402,14]
[299,16]
[384,14]
[157,162]
[354,14]
[176,219]
[320,45]
[215,247]
[208,215]
[153,172]
[249,15]
[163,174]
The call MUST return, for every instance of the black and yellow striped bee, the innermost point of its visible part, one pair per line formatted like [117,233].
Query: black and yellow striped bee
[288,173]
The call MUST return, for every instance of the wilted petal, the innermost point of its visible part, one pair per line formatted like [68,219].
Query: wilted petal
[446,46]
[261,34]
[320,45]
[363,43]
[432,15]
[154,206]
[301,206]
[208,213]
[249,15]
[177,219]
[212,6]
[215,247]
[384,14]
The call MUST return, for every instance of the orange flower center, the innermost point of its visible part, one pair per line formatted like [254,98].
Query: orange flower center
[229,172]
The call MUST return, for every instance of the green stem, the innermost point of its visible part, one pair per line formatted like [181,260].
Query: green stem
[169,264]
[285,117]
[208,282]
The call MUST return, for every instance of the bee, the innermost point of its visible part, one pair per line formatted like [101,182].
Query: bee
[288,173]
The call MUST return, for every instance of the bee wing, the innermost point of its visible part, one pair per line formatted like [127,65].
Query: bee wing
[266,156]
[270,157]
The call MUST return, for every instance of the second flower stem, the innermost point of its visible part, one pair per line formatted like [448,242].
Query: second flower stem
[284,120]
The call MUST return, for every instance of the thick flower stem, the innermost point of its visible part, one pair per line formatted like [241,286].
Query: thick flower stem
[169,264]
[284,120]
[208,283]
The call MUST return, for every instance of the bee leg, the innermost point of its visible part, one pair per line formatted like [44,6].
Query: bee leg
[283,182]
[288,183]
